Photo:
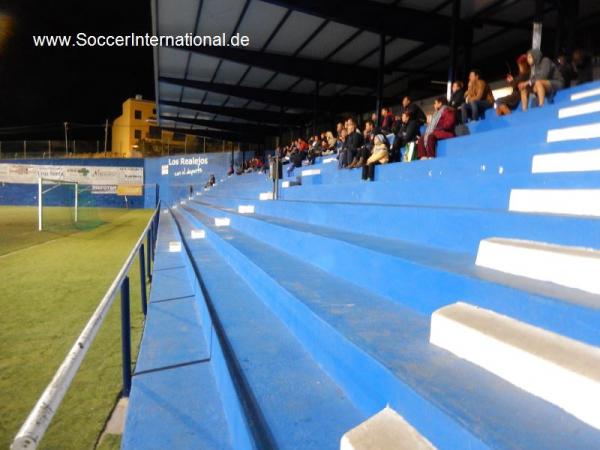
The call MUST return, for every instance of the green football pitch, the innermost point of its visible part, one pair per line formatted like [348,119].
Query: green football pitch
[51,282]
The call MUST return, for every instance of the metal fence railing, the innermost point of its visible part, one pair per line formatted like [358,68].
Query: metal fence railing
[39,418]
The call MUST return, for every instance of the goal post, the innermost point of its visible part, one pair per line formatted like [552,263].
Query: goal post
[64,194]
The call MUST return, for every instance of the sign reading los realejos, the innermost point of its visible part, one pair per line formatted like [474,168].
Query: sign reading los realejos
[93,175]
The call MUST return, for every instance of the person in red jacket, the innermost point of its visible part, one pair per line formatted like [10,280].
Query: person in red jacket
[441,127]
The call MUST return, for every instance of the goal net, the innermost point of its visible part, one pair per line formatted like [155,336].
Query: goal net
[65,205]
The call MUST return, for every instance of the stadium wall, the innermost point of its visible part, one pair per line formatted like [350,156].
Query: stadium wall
[168,178]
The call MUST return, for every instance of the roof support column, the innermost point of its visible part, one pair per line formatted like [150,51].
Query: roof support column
[536,40]
[453,47]
[316,108]
[380,73]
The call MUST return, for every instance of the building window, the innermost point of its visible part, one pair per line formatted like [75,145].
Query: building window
[154,132]
[154,111]
[137,134]
[137,114]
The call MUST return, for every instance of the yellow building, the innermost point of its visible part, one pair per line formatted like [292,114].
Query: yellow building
[136,133]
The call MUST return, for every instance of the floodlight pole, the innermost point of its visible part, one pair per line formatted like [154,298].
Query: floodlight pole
[40,204]
[76,200]
[66,124]
[105,136]
[380,74]
[453,47]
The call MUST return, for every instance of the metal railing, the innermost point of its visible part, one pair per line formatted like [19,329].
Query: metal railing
[39,418]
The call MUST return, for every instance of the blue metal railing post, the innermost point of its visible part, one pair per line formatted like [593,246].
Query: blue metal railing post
[126,337]
[149,256]
[143,280]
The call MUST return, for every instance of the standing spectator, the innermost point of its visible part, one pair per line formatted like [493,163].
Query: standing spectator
[505,105]
[478,98]
[387,120]
[380,155]
[414,110]
[441,127]
[458,94]
[545,79]
[408,132]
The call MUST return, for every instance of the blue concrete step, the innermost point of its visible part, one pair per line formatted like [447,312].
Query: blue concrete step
[358,337]
[429,278]
[454,229]
[174,400]
[484,191]
[297,405]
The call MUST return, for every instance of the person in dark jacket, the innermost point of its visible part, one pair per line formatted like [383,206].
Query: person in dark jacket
[545,79]
[408,132]
[353,141]
[458,95]
[582,68]
[364,151]
[505,105]
[387,120]
[414,110]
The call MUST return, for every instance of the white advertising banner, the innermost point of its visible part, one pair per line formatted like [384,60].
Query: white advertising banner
[94,175]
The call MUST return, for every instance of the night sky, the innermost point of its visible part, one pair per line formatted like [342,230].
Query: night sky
[40,86]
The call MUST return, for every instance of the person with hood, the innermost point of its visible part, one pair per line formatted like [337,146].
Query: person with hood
[380,155]
[441,127]
[544,81]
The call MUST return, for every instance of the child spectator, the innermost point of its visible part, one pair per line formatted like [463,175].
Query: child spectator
[380,155]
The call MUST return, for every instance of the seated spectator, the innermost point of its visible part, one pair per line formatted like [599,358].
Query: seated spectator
[582,68]
[478,98]
[296,158]
[380,155]
[414,110]
[408,132]
[339,128]
[506,105]
[339,146]
[544,81]
[230,171]
[354,140]
[331,141]
[441,127]
[458,95]
[364,151]
[565,68]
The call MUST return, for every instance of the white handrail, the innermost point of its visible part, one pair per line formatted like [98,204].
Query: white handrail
[39,418]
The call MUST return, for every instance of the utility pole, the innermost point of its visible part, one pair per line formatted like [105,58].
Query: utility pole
[105,136]
[66,139]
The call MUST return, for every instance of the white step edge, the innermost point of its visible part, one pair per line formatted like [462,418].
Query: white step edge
[573,267]
[578,161]
[577,202]
[558,369]
[246,209]
[265,196]
[174,246]
[222,221]
[329,160]
[285,184]
[386,430]
[311,172]
[579,110]
[198,234]
[579,132]
[585,94]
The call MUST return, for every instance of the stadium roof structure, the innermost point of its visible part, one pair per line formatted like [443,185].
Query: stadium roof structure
[315,58]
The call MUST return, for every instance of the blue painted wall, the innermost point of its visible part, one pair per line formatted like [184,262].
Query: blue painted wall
[184,170]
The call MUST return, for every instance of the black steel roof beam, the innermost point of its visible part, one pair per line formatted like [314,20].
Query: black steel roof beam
[234,137]
[378,18]
[293,65]
[228,126]
[240,113]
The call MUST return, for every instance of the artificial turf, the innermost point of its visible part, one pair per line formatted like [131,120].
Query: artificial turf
[51,282]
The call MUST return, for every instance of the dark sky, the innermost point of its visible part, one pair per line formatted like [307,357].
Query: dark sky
[83,85]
